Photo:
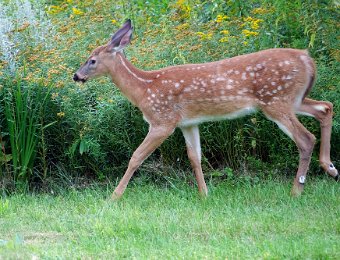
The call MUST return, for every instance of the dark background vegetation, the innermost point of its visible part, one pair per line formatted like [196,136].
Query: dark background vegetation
[56,132]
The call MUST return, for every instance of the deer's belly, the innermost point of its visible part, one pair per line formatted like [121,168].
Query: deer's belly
[195,120]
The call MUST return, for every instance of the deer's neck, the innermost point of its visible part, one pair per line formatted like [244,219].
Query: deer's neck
[130,80]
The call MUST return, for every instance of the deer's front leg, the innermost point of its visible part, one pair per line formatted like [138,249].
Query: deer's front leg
[154,138]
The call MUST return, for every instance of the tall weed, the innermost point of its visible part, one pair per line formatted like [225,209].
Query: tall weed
[23,104]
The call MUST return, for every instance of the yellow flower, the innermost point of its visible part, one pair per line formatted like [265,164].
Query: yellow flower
[182,26]
[54,9]
[113,21]
[248,19]
[184,8]
[69,1]
[224,39]
[61,114]
[204,36]
[245,43]
[77,11]
[259,11]
[248,33]
[220,18]
[225,32]
[255,24]
[54,95]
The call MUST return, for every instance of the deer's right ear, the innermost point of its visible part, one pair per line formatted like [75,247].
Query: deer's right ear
[121,38]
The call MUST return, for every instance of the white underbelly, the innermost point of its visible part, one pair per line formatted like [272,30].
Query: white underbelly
[200,119]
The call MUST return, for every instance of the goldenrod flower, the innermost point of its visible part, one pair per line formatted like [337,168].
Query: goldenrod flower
[77,11]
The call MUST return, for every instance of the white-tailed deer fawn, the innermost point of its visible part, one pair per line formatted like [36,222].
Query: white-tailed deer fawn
[275,81]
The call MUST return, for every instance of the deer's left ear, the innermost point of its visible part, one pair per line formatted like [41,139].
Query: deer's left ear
[126,39]
[121,38]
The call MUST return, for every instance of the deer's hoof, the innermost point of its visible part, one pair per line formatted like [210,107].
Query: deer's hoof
[297,190]
[115,196]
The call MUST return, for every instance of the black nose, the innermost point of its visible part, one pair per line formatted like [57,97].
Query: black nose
[75,77]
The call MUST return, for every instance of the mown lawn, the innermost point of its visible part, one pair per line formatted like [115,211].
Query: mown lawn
[238,220]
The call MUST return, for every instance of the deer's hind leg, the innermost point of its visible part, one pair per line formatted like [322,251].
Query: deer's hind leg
[192,140]
[304,140]
[323,112]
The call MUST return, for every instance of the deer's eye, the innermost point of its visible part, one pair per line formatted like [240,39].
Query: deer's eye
[92,62]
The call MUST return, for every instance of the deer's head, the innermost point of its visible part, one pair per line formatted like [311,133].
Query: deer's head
[104,56]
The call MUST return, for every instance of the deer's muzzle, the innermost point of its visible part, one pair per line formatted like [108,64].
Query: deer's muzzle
[77,78]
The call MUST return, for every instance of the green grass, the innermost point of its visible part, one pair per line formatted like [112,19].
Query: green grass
[238,220]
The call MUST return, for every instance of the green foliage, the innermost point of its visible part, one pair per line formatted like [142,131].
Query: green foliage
[23,106]
[97,129]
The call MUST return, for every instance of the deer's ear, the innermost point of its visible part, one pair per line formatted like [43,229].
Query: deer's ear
[121,38]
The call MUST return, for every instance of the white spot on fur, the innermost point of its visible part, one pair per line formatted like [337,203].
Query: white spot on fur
[320,108]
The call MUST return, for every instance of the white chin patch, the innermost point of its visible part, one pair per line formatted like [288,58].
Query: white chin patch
[302,179]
